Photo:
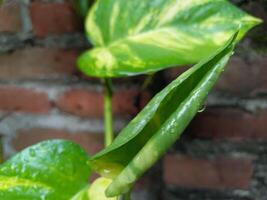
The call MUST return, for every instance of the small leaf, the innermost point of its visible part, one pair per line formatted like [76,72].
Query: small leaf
[148,136]
[50,170]
[143,36]
[82,195]
[97,189]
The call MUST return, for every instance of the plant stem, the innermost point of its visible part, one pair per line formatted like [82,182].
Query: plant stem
[108,111]
[148,80]
[1,151]
[108,93]
[127,196]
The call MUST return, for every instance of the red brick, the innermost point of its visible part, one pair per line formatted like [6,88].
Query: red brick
[220,173]
[37,63]
[244,77]
[90,103]
[23,100]
[241,77]
[53,19]
[10,18]
[229,123]
[91,142]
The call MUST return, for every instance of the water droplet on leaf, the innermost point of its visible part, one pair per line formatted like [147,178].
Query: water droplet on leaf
[202,109]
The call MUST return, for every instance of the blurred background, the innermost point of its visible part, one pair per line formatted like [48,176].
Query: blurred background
[221,156]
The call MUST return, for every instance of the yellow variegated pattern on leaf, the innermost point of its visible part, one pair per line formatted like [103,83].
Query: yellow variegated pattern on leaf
[141,36]
[23,189]
[50,170]
[13,182]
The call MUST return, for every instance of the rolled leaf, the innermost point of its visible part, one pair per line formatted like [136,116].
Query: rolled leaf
[141,36]
[148,136]
[50,170]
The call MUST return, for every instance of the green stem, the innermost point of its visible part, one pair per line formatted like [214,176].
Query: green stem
[108,93]
[127,196]
[1,151]
[148,80]
[108,111]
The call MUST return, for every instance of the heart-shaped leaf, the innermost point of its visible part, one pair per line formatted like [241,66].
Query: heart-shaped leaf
[148,136]
[141,36]
[50,170]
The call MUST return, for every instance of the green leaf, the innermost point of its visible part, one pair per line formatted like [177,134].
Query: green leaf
[82,195]
[97,189]
[50,170]
[148,136]
[142,36]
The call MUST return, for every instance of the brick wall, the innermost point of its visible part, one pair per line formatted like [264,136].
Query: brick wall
[222,155]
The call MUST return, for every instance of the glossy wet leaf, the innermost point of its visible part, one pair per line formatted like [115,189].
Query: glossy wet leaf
[50,170]
[141,36]
[148,136]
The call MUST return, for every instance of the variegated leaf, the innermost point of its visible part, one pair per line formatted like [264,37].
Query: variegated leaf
[50,170]
[140,36]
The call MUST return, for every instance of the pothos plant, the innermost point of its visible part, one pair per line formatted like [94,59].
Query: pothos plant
[132,37]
